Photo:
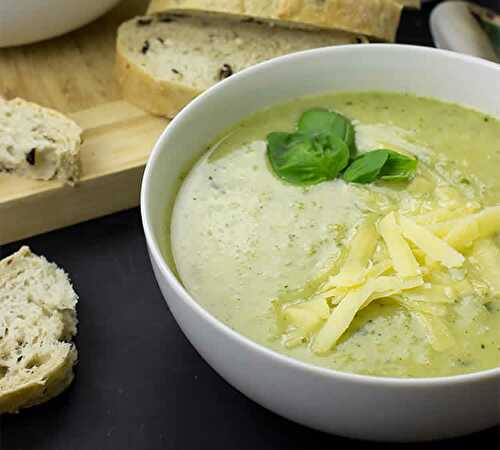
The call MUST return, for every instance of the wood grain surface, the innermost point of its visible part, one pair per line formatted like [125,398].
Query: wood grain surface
[74,74]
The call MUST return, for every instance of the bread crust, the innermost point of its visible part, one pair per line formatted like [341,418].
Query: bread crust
[416,4]
[378,19]
[39,391]
[159,97]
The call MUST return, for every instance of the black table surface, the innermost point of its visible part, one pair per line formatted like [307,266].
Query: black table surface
[139,384]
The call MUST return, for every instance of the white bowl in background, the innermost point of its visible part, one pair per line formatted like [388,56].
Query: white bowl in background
[27,21]
[358,406]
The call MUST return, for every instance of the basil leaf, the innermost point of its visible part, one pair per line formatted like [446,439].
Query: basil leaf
[302,158]
[381,164]
[316,120]
[398,167]
[367,167]
[320,120]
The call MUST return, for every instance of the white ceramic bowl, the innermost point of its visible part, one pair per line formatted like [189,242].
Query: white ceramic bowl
[27,21]
[340,403]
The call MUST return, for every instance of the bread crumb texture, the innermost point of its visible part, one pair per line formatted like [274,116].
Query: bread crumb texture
[37,324]
[38,142]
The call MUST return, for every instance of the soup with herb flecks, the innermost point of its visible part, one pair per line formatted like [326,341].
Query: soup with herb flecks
[352,231]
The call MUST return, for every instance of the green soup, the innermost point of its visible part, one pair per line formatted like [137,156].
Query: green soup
[247,244]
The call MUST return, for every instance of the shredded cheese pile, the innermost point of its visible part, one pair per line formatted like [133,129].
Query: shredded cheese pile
[409,260]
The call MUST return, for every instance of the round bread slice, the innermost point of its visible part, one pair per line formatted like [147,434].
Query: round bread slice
[38,142]
[37,323]
[164,61]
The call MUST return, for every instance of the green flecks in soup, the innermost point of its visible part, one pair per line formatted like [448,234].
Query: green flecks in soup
[257,251]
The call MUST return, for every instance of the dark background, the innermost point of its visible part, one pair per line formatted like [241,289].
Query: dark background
[139,384]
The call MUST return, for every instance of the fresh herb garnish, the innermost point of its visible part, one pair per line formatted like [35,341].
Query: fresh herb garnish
[398,167]
[367,167]
[303,158]
[322,148]
[380,164]
[320,120]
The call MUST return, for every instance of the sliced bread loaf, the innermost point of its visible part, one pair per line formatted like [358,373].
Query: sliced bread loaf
[378,19]
[37,323]
[38,142]
[164,61]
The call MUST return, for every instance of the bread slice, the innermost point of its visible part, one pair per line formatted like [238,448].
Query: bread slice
[377,19]
[38,142]
[37,323]
[416,4]
[164,61]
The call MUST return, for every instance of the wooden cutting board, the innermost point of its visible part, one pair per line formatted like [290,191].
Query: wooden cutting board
[74,74]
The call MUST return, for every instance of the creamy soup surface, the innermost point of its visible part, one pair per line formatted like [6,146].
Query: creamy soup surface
[248,245]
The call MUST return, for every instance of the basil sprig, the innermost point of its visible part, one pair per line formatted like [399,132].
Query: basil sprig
[319,120]
[380,164]
[322,148]
[302,158]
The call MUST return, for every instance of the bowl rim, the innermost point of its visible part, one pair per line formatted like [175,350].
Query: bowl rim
[73,21]
[244,341]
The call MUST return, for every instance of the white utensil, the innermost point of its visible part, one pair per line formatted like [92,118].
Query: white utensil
[454,28]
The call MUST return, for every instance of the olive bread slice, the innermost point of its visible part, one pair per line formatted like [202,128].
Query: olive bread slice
[38,142]
[164,61]
[37,324]
[377,19]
